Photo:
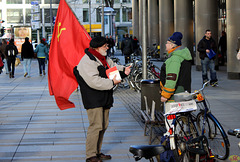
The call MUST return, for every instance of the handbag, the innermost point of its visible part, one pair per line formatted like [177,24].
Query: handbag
[211,54]
[238,55]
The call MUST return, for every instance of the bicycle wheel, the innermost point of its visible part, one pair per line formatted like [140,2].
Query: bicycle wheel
[138,78]
[184,130]
[218,144]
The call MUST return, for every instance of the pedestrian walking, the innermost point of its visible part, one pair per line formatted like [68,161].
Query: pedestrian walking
[222,46]
[111,45]
[175,76]
[136,45]
[41,51]
[11,53]
[27,54]
[206,46]
[3,55]
[97,94]
[127,48]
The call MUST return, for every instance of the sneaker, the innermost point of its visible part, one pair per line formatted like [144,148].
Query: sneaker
[215,84]
[44,72]
[10,74]
[40,74]
[25,74]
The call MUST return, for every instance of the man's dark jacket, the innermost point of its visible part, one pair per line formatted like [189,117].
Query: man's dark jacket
[27,50]
[202,46]
[127,46]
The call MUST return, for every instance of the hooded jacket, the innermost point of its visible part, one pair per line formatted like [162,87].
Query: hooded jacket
[175,76]
[41,51]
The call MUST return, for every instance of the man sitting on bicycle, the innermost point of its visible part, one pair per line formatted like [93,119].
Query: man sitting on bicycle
[175,73]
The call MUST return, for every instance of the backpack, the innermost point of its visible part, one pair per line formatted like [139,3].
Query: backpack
[168,155]
[11,53]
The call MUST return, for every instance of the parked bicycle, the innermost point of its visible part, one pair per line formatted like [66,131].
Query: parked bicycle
[192,137]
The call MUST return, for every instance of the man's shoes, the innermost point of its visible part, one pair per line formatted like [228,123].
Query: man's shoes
[40,74]
[214,84]
[10,74]
[44,72]
[25,74]
[104,157]
[93,159]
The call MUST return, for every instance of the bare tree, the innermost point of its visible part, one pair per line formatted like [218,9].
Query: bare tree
[109,3]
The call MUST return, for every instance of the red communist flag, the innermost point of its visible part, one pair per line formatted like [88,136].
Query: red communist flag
[69,41]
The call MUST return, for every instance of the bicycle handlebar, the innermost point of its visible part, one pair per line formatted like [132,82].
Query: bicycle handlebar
[185,96]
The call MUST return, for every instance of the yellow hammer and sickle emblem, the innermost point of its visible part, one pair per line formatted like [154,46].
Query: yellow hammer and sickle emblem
[59,32]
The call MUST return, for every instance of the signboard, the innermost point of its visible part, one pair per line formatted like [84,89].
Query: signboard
[20,33]
[35,18]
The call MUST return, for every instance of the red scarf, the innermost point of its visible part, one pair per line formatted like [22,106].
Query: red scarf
[99,56]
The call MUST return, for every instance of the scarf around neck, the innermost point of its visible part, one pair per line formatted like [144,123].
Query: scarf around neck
[99,56]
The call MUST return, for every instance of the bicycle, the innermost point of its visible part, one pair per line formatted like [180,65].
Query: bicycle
[191,136]
[202,133]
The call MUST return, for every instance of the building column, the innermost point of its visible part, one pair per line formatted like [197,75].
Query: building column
[166,26]
[206,17]
[233,38]
[135,14]
[183,21]
[140,21]
[153,22]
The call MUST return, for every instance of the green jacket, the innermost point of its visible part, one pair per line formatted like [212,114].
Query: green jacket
[176,72]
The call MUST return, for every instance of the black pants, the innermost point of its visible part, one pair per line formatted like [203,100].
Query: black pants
[41,63]
[11,65]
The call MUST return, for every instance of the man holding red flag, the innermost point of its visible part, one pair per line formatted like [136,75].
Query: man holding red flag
[97,94]
[67,47]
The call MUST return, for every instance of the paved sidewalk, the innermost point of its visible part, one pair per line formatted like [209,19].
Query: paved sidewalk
[32,128]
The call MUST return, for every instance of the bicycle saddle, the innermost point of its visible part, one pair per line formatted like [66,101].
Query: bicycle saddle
[146,151]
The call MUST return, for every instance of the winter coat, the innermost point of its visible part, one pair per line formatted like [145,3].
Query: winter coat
[175,76]
[95,87]
[11,47]
[203,45]
[27,50]
[127,46]
[41,51]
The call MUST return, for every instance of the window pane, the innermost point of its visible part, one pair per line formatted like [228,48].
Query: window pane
[85,15]
[53,1]
[29,1]
[126,1]
[117,1]
[14,1]
[85,1]
[14,15]
[117,17]
[98,1]
[98,16]
[28,16]
[47,14]
[126,14]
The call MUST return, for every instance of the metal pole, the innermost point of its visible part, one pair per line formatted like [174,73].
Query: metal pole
[103,30]
[51,17]
[90,22]
[144,40]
